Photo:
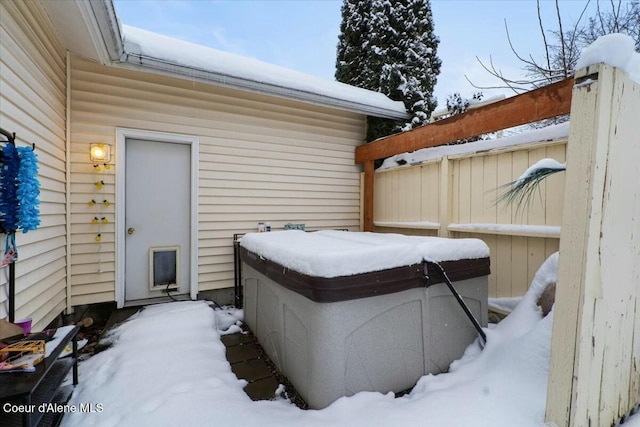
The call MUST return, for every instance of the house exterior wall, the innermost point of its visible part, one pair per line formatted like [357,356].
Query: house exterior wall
[456,197]
[261,159]
[33,105]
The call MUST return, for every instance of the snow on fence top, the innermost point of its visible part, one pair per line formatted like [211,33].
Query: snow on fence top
[249,72]
[549,133]
[331,253]
[617,50]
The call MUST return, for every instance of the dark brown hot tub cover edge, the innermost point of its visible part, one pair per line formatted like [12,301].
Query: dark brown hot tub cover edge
[344,288]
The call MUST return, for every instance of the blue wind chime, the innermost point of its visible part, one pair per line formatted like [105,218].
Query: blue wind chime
[19,192]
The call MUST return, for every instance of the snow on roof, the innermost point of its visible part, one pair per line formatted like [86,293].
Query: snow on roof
[617,50]
[331,253]
[549,133]
[150,50]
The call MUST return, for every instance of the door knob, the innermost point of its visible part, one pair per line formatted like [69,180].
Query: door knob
[131,230]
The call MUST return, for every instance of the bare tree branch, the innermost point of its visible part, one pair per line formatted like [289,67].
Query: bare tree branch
[600,17]
[616,14]
[544,37]
[562,45]
[576,28]
[517,86]
[515,52]
[562,42]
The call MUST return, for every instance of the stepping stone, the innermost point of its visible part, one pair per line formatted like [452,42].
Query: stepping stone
[248,362]
[264,389]
[252,370]
[236,339]
[242,352]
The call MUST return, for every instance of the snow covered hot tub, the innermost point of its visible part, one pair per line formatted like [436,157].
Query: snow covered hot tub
[342,312]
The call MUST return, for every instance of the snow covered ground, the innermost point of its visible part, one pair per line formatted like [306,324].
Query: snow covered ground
[168,367]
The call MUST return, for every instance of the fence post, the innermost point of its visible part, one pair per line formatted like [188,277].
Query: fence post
[444,215]
[368,195]
[595,352]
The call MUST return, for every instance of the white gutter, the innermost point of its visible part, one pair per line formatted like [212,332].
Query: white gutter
[160,66]
[121,55]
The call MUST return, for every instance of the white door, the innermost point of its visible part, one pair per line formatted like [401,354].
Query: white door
[157,219]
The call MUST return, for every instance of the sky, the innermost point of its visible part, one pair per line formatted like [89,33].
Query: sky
[303,34]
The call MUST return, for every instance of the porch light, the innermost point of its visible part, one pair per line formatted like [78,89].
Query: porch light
[100,153]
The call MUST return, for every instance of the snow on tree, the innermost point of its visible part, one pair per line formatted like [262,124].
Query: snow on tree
[390,47]
[456,104]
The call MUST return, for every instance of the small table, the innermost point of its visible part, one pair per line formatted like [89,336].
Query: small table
[31,389]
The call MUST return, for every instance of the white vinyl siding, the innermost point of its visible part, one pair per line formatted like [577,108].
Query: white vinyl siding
[262,159]
[33,105]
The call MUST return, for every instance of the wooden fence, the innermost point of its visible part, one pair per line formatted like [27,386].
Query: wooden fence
[594,376]
[543,103]
[455,196]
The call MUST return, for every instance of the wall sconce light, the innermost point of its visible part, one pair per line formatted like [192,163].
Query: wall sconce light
[100,153]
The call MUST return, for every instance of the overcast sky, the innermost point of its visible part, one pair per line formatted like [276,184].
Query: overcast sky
[302,34]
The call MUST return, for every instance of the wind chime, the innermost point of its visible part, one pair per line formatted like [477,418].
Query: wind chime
[19,192]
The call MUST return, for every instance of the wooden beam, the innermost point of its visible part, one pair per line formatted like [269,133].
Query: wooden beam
[543,103]
[368,196]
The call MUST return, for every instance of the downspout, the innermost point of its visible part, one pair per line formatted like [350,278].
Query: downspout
[67,185]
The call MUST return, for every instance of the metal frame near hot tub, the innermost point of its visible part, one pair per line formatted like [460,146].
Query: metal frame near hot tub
[377,331]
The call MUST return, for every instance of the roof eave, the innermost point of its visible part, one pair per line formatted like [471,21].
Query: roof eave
[159,66]
[102,23]
[108,24]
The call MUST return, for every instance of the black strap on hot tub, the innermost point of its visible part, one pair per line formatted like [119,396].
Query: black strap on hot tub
[457,296]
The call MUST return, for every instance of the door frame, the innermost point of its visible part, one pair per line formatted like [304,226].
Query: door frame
[121,135]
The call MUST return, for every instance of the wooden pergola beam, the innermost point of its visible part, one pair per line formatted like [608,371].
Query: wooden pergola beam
[539,104]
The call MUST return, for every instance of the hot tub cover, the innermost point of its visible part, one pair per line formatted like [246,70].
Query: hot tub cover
[331,253]
[329,266]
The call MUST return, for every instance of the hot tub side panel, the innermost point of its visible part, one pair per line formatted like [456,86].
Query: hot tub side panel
[380,343]
[329,350]
[448,331]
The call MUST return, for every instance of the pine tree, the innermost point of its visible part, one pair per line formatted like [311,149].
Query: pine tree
[353,45]
[390,47]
